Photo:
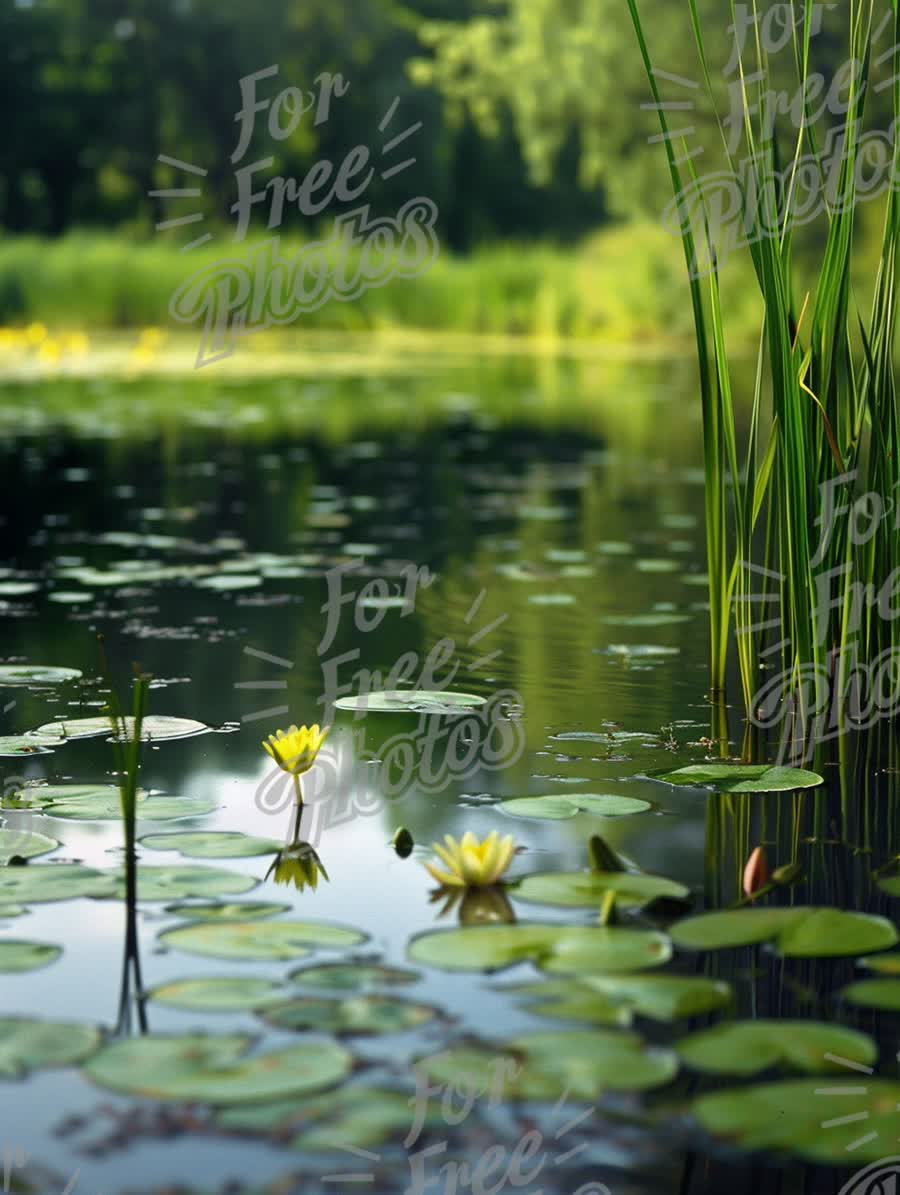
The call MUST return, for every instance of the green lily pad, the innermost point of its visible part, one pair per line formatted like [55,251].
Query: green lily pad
[154,728]
[844,1123]
[219,994]
[886,964]
[544,1066]
[260,941]
[883,994]
[890,885]
[354,1014]
[798,932]
[585,889]
[228,581]
[42,882]
[14,745]
[646,620]
[102,802]
[559,806]
[24,843]
[748,1047]
[411,701]
[741,778]
[18,955]
[215,1070]
[351,977]
[555,948]
[27,1045]
[617,999]
[23,675]
[352,1117]
[177,882]
[212,844]
[237,911]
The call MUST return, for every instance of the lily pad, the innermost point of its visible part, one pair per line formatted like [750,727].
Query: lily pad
[646,620]
[219,994]
[559,807]
[798,932]
[741,778]
[27,1045]
[617,999]
[18,955]
[749,1047]
[238,911]
[23,675]
[584,889]
[102,802]
[24,843]
[885,964]
[212,844]
[215,1070]
[259,941]
[355,1014]
[412,701]
[177,882]
[14,745]
[351,977]
[43,882]
[545,1066]
[844,1123]
[562,949]
[155,728]
[883,994]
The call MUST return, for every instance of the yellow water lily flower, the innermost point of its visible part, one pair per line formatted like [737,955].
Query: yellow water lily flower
[470,863]
[300,866]
[295,750]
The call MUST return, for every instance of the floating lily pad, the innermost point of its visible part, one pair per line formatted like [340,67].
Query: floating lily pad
[228,581]
[27,1045]
[238,911]
[886,964]
[154,728]
[24,843]
[17,955]
[212,844]
[559,807]
[749,1047]
[219,994]
[102,802]
[544,1066]
[642,650]
[13,745]
[552,599]
[177,882]
[822,1120]
[215,1070]
[261,941]
[584,889]
[741,778]
[562,949]
[798,932]
[890,885]
[351,977]
[412,701]
[355,1014]
[617,999]
[42,882]
[883,994]
[23,675]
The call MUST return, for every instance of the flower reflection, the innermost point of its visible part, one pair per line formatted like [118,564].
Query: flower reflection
[298,865]
[476,906]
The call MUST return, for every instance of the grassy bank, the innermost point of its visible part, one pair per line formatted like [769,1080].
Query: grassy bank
[624,284]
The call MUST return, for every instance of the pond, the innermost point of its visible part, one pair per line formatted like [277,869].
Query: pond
[527,530]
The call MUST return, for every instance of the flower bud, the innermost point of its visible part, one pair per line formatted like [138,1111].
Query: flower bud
[756,872]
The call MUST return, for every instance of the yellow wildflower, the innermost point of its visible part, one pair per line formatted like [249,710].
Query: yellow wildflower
[295,750]
[470,863]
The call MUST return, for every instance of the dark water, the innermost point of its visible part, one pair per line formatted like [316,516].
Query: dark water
[552,503]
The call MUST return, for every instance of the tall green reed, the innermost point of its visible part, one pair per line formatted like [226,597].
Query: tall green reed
[824,404]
